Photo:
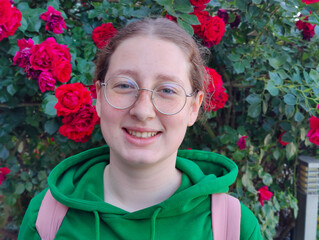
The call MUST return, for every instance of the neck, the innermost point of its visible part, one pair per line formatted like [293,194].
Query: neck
[134,188]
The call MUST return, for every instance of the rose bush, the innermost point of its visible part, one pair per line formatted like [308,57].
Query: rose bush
[262,99]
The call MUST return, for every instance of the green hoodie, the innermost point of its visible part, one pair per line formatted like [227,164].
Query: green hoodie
[77,182]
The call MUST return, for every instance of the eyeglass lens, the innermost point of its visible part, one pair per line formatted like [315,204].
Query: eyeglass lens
[168,98]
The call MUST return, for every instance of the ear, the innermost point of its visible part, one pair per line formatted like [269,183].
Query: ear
[99,97]
[196,103]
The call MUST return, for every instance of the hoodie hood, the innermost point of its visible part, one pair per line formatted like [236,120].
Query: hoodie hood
[77,182]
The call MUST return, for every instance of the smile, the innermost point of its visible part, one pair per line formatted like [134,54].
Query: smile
[141,134]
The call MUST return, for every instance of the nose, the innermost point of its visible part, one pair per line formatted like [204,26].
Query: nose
[143,109]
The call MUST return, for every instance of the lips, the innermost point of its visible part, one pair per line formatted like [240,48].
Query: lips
[141,134]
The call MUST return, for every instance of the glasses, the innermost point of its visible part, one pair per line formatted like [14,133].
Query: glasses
[168,98]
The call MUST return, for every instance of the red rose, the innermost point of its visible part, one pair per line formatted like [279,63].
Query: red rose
[92,90]
[54,21]
[8,25]
[202,16]
[242,142]
[44,55]
[313,133]
[5,11]
[79,126]
[3,172]
[71,97]
[282,142]
[172,18]
[264,195]
[23,55]
[46,81]
[309,1]
[236,22]
[216,96]
[222,13]
[212,31]
[307,29]
[62,70]
[101,35]
[199,3]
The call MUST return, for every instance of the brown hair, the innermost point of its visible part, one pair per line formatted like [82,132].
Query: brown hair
[163,29]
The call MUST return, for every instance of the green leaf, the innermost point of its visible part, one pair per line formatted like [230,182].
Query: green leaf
[289,111]
[287,137]
[42,175]
[272,89]
[299,117]
[28,186]
[191,19]
[164,2]
[48,104]
[267,179]
[314,75]
[239,67]
[291,150]
[234,57]
[253,98]
[11,89]
[51,126]
[20,188]
[290,99]
[257,1]
[275,77]
[54,3]
[275,62]
[4,153]
[254,110]
[24,25]
[183,6]
[186,26]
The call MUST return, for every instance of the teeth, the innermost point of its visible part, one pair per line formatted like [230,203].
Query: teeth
[142,134]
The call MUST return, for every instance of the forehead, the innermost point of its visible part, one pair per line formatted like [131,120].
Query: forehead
[148,57]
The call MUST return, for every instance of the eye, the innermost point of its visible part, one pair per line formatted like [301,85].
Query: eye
[123,85]
[167,89]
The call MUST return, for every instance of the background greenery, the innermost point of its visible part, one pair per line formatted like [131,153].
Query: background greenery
[270,73]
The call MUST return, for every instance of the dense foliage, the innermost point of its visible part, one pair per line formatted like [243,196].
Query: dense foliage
[263,62]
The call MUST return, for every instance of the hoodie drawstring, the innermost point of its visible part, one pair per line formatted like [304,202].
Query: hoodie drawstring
[153,223]
[97,225]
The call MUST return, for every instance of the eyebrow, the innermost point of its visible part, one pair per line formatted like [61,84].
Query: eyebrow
[135,76]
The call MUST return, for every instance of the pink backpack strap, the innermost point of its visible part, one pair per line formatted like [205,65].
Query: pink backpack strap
[226,214]
[50,217]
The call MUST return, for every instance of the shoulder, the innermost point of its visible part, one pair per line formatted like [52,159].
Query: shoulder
[27,229]
[249,226]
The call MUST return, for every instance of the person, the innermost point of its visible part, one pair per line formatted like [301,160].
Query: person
[150,87]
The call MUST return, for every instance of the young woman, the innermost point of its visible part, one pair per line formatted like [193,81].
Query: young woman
[149,90]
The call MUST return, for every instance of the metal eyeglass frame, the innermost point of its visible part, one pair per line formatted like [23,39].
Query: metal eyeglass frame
[104,84]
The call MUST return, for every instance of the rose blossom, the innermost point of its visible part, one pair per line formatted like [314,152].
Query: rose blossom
[54,21]
[282,142]
[92,90]
[216,96]
[46,82]
[313,133]
[199,3]
[264,195]
[101,35]
[22,56]
[309,1]
[71,97]
[3,172]
[172,18]
[79,126]
[10,19]
[62,70]
[5,11]
[307,29]
[222,13]
[236,22]
[242,142]
[211,29]
[45,54]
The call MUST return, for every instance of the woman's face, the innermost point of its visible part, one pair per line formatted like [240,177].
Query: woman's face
[140,135]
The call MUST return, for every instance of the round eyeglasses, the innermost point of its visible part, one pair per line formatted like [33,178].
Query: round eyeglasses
[168,98]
